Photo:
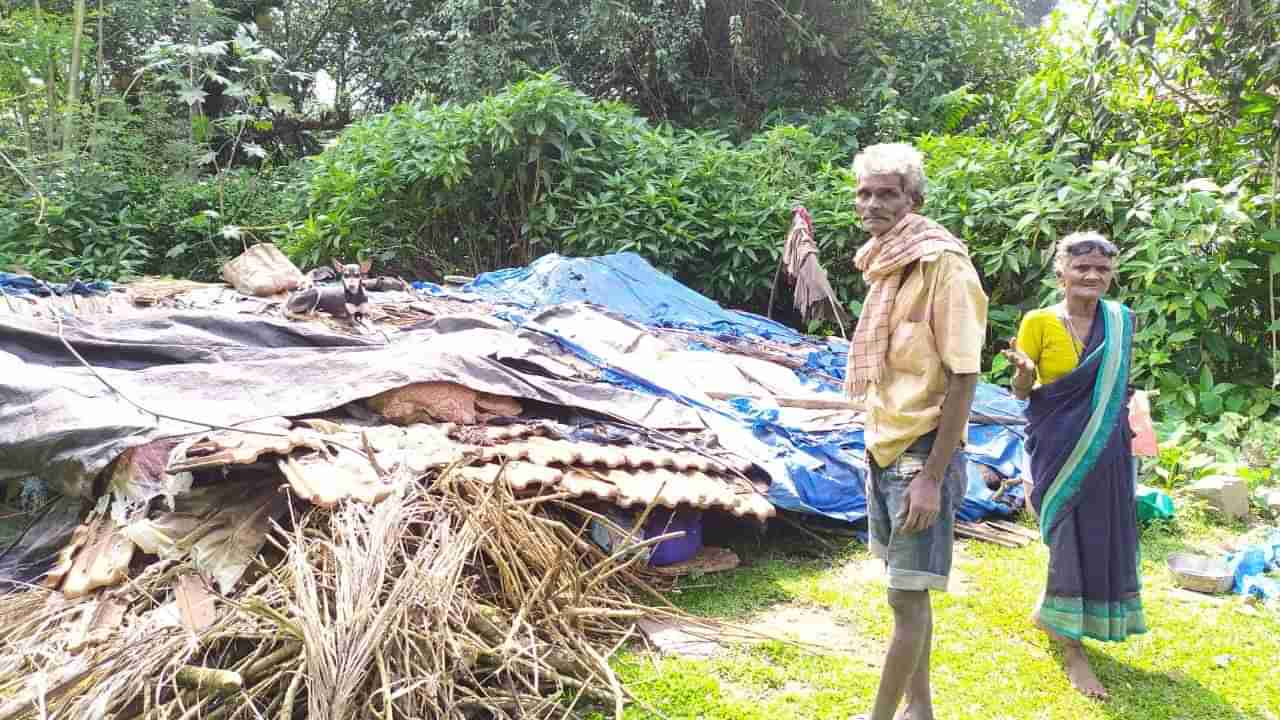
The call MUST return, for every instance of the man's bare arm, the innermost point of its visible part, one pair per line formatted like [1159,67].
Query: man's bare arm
[924,497]
[953,423]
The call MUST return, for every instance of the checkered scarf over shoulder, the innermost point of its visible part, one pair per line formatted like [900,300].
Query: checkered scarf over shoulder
[881,262]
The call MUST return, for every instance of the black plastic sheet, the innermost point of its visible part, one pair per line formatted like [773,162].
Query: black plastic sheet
[61,423]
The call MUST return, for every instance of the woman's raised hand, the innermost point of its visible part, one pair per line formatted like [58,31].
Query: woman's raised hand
[1019,360]
[1024,377]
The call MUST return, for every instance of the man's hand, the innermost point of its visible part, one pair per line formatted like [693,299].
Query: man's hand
[924,495]
[922,503]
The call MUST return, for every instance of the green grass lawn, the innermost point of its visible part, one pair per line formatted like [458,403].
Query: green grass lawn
[1203,659]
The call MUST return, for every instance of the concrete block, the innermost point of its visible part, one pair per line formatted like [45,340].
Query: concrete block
[1227,494]
[1271,498]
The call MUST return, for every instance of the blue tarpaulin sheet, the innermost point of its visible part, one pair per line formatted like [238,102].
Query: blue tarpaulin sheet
[13,284]
[628,285]
[822,472]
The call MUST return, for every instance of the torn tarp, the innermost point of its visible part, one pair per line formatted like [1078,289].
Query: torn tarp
[65,425]
[230,368]
[35,544]
[814,459]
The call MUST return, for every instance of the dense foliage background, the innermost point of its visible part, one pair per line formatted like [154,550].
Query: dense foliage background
[444,136]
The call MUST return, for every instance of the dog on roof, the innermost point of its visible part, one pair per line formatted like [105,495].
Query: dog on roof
[345,301]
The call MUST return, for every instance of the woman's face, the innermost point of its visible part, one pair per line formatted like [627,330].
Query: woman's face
[1088,276]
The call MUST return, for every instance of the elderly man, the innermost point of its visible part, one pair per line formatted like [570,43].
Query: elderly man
[915,358]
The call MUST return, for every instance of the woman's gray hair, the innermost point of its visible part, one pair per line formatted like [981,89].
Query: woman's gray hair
[898,158]
[1062,253]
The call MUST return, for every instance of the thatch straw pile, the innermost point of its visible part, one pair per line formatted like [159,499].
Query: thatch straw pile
[451,600]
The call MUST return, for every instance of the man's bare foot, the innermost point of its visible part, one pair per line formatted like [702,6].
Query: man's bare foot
[1080,673]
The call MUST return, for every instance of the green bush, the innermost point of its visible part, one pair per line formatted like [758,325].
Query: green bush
[78,224]
[541,168]
[1192,267]
[98,221]
[194,227]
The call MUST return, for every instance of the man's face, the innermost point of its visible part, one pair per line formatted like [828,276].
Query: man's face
[881,202]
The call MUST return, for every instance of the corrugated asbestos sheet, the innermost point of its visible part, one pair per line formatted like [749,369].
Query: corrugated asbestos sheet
[328,461]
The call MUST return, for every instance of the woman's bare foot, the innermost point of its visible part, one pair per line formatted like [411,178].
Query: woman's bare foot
[1079,672]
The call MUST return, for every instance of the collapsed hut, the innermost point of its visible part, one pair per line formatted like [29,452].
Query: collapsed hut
[460,511]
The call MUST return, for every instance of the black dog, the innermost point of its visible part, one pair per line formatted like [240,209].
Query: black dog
[345,301]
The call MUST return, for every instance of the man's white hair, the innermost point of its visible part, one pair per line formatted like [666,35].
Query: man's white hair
[897,158]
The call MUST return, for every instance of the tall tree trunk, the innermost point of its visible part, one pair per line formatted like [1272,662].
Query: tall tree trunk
[73,82]
[194,9]
[51,94]
[100,89]
[29,125]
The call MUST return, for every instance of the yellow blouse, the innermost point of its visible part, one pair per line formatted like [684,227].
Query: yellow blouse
[1048,342]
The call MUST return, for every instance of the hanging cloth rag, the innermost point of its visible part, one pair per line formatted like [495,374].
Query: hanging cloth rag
[814,296]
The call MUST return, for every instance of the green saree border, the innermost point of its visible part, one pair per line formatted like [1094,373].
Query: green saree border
[1077,618]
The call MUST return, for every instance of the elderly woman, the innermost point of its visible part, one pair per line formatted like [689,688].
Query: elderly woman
[1072,360]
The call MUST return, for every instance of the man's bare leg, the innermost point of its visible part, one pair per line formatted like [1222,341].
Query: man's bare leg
[919,700]
[1079,671]
[912,630]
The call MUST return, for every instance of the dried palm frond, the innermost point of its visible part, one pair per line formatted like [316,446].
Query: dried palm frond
[453,599]
[154,290]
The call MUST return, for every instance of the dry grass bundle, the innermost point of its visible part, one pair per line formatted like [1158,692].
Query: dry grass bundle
[454,600]
[154,290]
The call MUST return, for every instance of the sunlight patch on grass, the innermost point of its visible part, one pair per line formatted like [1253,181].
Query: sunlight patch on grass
[1203,659]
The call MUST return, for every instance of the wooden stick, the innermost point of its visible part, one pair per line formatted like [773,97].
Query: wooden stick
[989,529]
[967,531]
[994,529]
[1014,528]
[795,402]
[203,678]
[806,531]
[62,680]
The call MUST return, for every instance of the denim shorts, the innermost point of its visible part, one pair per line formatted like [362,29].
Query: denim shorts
[917,561]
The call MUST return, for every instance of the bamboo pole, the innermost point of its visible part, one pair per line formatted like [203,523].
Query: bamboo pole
[73,82]
[51,92]
[1271,268]
[100,87]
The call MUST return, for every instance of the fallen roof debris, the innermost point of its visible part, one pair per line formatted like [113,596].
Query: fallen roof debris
[236,495]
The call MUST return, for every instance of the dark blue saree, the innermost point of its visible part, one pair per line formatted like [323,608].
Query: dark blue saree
[1082,465]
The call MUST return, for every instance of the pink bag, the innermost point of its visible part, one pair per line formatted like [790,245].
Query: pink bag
[1144,441]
